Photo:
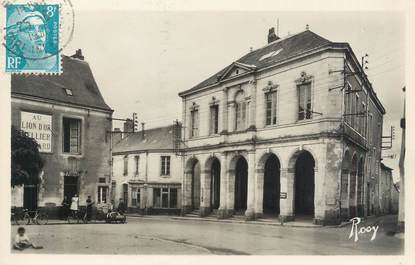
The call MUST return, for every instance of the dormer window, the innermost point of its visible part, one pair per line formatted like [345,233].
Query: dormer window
[68,91]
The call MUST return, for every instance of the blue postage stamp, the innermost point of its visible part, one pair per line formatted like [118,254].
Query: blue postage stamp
[32,38]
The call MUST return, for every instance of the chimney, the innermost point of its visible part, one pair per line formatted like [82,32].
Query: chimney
[116,135]
[128,126]
[142,129]
[271,35]
[78,55]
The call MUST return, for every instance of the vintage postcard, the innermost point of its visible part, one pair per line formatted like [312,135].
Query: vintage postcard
[160,133]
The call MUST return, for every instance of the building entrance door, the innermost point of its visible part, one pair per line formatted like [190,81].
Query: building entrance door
[304,185]
[30,197]
[125,194]
[241,185]
[271,201]
[70,186]
[215,184]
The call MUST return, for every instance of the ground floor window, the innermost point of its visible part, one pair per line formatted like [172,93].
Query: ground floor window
[102,194]
[135,197]
[165,197]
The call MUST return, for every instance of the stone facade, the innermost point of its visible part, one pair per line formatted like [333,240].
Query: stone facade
[314,160]
[89,166]
[137,172]
[387,192]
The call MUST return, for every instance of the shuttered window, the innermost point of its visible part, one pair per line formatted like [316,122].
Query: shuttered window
[71,136]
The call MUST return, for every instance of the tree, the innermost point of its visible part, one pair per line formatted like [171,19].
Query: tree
[26,162]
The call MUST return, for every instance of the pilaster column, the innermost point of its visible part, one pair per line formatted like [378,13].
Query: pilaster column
[225,111]
[187,191]
[259,192]
[252,111]
[231,116]
[344,194]
[205,193]
[222,211]
[230,196]
[287,190]
[250,211]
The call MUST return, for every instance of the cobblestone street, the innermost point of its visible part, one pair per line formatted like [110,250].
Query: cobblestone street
[163,235]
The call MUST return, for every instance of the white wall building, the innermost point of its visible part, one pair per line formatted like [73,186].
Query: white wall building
[146,172]
[285,130]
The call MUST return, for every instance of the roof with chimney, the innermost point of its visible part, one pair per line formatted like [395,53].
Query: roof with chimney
[160,138]
[76,85]
[278,50]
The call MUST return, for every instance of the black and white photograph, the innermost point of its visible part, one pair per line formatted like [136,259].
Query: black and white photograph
[171,132]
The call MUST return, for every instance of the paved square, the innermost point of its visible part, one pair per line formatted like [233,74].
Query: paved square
[163,235]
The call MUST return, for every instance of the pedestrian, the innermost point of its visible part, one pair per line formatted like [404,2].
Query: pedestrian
[75,204]
[89,204]
[65,207]
[121,207]
[22,241]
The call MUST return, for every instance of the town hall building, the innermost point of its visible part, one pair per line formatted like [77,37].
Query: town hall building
[290,130]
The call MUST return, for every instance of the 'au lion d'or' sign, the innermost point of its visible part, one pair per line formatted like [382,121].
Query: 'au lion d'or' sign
[32,38]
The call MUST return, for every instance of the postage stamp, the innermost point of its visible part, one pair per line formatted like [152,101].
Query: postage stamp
[32,38]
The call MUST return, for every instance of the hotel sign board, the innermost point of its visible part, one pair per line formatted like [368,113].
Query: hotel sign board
[39,127]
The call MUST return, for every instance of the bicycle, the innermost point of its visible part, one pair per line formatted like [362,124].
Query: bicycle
[74,217]
[38,218]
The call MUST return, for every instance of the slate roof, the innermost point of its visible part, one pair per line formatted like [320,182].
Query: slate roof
[154,139]
[291,46]
[77,76]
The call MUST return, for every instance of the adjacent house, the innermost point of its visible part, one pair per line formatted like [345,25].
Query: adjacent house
[67,115]
[147,173]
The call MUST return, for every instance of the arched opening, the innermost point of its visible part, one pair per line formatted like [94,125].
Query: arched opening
[271,199]
[241,185]
[195,183]
[360,187]
[344,186]
[215,184]
[352,189]
[304,184]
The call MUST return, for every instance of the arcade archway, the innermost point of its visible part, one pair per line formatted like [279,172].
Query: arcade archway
[304,184]
[271,195]
[215,184]
[241,185]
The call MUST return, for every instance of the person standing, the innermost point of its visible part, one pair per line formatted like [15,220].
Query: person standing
[89,204]
[121,207]
[75,204]
[65,207]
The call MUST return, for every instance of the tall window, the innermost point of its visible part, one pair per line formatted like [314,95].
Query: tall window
[113,189]
[102,194]
[271,108]
[165,198]
[241,109]
[370,125]
[125,160]
[165,165]
[363,118]
[355,121]
[214,119]
[194,123]
[304,102]
[136,164]
[348,103]
[71,136]
[135,197]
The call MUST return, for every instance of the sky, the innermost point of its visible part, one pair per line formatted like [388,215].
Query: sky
[142,59]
